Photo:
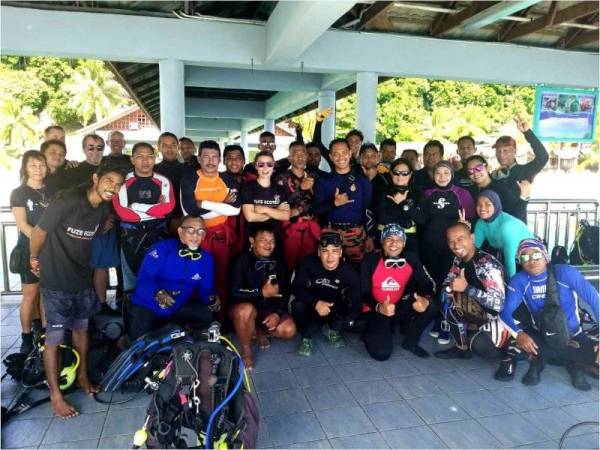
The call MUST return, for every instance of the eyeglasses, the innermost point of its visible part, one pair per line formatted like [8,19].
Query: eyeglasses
[394,263]
[191,231]
[476,169]
[262,165]
[98,148]
[330,239]
[263,264]
[401,173]
[535,256]
[187,253]
[268,143]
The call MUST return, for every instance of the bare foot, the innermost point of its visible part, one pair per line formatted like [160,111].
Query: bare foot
[263,341]
[247,357]
[62,409]
[84,382]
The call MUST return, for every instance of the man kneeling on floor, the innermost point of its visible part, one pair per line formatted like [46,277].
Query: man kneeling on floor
[551,334]
[175,283]
[474,291]
[395,289]
[260,290]
[327,290]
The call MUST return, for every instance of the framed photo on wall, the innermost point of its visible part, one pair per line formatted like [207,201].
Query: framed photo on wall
[565,115]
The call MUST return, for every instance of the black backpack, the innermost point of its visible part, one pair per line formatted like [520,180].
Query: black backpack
[585,245]
[202,389]
[559,255]
[553,320]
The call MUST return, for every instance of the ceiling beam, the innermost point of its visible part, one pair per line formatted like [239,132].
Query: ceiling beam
[294,26]
[224,109]
[376,10]
[200,123]
[202,135]
[553,18]
[572,34]
[267,80]
[586,37]
[510,24]
[454,21]
[495,13]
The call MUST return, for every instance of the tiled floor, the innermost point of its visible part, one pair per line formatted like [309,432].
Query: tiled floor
[340,398]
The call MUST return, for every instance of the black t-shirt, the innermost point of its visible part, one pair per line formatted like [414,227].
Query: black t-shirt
[253,193]
[35,201]
[80,174]
[59,180]
[71,223]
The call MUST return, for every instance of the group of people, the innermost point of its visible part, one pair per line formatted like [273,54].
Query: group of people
[274,247]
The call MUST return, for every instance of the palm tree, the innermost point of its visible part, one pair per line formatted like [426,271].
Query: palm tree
[17,124]
[94,92]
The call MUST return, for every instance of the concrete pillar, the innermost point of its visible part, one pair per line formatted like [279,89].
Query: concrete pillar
[327,100]
[366,104]
[244,142]
[270,125]
[172,96]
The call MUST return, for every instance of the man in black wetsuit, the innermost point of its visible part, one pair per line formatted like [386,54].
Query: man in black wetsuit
[465,148]
[170,167]
[326,289]
[433,153]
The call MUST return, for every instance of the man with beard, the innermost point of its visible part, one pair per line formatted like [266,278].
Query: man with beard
[60,254]
[479,277]
[175,283]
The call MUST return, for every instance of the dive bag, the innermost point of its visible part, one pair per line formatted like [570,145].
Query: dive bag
[202,389]
[553,320]
[585,245]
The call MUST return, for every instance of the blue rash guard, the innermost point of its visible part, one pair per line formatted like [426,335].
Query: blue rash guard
[532,289]
[183,278]
[358,188]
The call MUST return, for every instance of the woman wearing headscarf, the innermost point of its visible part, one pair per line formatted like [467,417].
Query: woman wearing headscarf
[444,205]
[502,231]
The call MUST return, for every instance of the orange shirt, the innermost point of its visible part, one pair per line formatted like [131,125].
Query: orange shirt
[212,189]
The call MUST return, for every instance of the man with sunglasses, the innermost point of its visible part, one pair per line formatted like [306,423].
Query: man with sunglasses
[395,289]
[175,283]
[143,204]
[531,286]
[213,196]
[511,172]
[327,291]
[92,146]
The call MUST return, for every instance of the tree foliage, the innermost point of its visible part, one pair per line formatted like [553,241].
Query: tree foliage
[417,109]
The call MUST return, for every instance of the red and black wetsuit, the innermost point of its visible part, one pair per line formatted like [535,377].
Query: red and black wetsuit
[397,284]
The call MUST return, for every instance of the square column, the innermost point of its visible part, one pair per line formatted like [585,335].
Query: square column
[270,125]
[327,100]
[366,104]
[172,96]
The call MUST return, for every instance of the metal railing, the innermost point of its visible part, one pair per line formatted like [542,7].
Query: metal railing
[553,220]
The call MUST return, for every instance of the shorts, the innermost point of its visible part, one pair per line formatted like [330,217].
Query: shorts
[63,308]
[28,278]
[105,251]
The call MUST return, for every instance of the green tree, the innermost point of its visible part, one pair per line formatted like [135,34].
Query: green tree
[18,128]
[94,92]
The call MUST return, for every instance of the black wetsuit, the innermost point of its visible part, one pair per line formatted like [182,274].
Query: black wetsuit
[174,171]
[313,282]
[248,276]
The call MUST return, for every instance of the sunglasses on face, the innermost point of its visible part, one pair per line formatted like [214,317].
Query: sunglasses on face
[401,173]
[262,165]
[191,231]
[394,263]
[476,169]
[187,253]
[536,256]
[268,143]
[98,148]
